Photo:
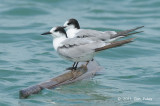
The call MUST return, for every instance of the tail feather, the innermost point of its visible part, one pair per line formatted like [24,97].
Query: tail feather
[123,33]
[132,33]
[116,38]
[115,44]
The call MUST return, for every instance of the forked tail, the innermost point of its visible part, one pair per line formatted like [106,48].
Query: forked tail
[127,32]
[115,44]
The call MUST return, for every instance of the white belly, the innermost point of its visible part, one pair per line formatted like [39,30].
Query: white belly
[80,59]
[57,42]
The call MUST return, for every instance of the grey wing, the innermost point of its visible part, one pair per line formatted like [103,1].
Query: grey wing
[76,41]
[78,47]
[127,32]
[93,34]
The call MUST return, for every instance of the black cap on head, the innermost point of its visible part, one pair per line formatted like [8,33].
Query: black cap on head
[61,30]
[74,22]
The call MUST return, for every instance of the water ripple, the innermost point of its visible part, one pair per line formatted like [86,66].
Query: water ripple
[27,58]
[24,12]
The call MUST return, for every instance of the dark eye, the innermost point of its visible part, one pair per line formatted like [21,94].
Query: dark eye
[68,23]
[56,30]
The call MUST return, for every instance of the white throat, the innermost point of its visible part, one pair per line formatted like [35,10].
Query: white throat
[57,41]
[72,32]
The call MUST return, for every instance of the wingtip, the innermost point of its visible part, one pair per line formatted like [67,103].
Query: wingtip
[129,40]
[141,26]
[140,31]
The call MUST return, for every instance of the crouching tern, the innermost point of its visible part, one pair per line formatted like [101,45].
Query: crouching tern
[73,30]
[79,49]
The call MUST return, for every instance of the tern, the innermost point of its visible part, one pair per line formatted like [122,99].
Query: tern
[73,30]
[79,49]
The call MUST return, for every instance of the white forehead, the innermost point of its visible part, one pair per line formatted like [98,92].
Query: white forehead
[65,24]
[53,29]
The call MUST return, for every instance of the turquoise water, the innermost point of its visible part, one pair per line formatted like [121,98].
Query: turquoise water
[26,58]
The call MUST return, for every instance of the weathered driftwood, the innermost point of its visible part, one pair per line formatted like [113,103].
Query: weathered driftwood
[69,77]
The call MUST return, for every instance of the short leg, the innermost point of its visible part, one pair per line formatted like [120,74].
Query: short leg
[71,68]
[76,64]
[73,64]
[87,63]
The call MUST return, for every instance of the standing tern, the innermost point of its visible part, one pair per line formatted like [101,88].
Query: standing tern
[79,49]
[73,30]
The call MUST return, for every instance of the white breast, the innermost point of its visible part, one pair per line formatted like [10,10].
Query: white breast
[57,41]
[71,32]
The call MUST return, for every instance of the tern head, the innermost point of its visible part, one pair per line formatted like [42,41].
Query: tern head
[56,32]
[71,23]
